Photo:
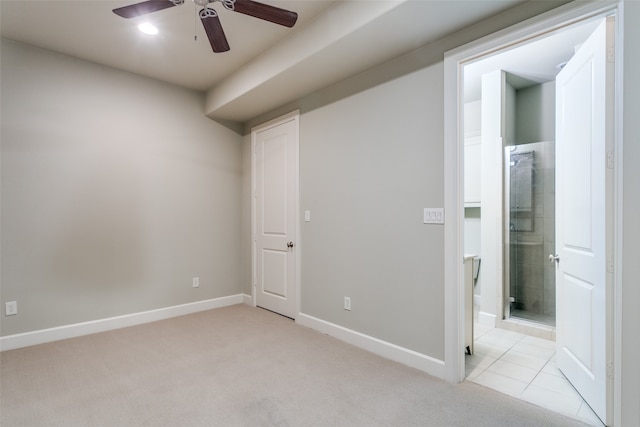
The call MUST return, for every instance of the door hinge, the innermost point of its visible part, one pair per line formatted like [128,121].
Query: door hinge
[611,54]
[610,265]
[611,160]
[610,373]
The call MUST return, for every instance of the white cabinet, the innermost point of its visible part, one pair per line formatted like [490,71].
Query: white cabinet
[472,170]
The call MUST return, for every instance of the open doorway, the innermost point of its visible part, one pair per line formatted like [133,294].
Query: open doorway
[510,224]
[510,185]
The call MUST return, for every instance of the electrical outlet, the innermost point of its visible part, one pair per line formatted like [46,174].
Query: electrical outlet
[10,308]
[347,303]
[196,282]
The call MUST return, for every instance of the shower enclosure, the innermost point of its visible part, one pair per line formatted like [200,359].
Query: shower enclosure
[530,204]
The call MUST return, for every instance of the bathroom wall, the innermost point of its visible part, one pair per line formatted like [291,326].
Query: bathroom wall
[535,113]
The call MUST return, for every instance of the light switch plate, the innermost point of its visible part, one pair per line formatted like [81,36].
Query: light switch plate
[307,216]
[434,215]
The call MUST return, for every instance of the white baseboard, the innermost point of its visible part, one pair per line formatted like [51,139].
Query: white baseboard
[247,299]
[385,349]
[487,319]
[26,339]
[477,300]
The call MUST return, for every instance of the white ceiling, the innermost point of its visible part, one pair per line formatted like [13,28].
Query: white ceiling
[88,29]
[268,65]
[535,61]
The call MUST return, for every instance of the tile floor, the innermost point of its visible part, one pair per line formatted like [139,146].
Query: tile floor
[524,367]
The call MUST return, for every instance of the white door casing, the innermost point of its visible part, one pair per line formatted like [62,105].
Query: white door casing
[275,156]
[584,189]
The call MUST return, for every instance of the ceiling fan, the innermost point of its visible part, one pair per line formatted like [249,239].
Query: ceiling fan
[209,16]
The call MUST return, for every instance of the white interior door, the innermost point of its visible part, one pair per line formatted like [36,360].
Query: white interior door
[275,188]
[583,199]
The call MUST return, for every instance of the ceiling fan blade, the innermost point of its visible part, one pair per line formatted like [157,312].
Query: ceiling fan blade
[143,8]
[266,12]
[215,33]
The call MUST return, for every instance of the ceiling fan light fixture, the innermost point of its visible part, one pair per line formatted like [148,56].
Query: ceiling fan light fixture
[209,16]
[148,28]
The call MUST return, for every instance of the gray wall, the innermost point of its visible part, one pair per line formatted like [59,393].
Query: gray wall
[629,337]
[369,164]
[116,191]
[535,113]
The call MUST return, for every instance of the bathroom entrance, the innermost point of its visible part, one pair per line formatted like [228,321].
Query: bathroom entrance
[526,160]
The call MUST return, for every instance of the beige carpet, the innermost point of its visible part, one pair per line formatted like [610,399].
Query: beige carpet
[236,366]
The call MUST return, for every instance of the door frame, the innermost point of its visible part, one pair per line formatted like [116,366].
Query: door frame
[454,63]
[295,117]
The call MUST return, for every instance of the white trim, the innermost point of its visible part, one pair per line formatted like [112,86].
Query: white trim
[453,227]
[382,348]
[618,216]
[487,319]
[253,219]
[247,299]
[453,143]
[295,117]
[42,336]
[298,249]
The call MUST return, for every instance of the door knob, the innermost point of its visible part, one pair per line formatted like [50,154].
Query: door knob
[553,258]
[290,244]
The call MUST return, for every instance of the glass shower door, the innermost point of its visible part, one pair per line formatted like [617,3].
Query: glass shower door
[530,204]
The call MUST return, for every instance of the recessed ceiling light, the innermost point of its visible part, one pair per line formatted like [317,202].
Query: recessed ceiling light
[148,28]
